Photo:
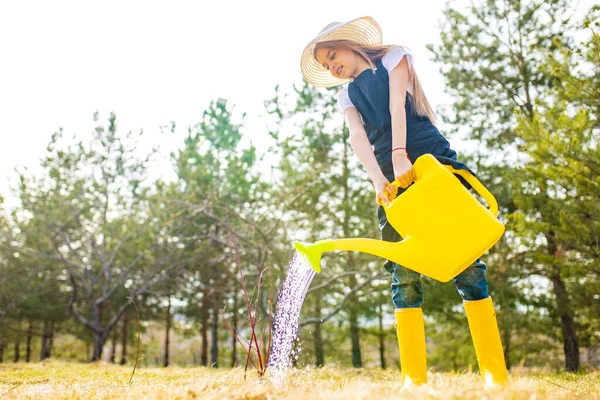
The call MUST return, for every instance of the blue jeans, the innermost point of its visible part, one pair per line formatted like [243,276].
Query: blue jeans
[407,291]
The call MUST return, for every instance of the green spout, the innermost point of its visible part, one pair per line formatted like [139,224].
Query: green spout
[313,252]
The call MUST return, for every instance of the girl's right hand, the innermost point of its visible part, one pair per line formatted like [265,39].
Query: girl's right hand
[384,191]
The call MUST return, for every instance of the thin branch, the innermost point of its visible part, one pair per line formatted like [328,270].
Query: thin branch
[121,279]
[261,369]
[164,274]
[341,305]
[117,316]
[220,221]
[113,255]
[322,285]
[235,335]
[243,283]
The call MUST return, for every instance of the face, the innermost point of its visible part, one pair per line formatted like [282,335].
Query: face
[342,63]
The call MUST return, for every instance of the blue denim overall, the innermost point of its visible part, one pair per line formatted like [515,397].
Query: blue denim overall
[369,92]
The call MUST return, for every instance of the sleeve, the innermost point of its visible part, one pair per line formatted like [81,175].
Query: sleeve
[344,101]
[393,57]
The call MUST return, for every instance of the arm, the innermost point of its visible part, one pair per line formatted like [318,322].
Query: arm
[361,146]
[398,86]
[364,152]
[403,169]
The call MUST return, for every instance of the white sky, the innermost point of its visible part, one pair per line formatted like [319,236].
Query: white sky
[155,62]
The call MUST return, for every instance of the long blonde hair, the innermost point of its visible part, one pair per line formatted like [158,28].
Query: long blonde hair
[373,53]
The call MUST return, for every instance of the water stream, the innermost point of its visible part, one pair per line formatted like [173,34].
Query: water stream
[285,326]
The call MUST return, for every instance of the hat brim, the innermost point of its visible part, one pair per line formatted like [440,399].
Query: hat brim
[363,30]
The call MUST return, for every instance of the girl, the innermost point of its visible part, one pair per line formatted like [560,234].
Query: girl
[392,123]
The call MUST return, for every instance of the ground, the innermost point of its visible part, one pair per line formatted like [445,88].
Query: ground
[60,380]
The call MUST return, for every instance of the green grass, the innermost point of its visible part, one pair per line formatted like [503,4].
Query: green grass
[60,380]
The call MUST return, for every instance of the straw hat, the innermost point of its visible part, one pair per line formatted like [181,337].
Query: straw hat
[363,30]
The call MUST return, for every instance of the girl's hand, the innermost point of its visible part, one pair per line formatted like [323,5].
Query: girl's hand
[384,191]
[404,172]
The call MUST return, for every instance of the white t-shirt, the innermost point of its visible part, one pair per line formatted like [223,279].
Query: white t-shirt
[390,60]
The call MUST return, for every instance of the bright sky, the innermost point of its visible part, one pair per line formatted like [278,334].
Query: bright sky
[154,62]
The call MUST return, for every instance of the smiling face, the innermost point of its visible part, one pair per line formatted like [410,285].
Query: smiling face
[342,63]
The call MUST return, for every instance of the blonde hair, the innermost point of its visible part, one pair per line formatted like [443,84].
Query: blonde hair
[373,53]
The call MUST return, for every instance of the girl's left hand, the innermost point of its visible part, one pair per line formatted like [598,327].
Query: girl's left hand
[404,172]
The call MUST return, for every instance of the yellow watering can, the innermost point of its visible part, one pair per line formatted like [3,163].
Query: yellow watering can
[445,228]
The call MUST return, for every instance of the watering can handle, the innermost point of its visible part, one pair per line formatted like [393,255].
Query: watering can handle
[479,188]
[474,182]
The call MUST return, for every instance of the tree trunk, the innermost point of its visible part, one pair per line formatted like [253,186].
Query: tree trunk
[28,342]
[570,343]
[98,336]
[113,347]
[204,333]
[234,322]
[319,350]
[381,338]
[45,351]
[50,339]
[569,333]
[124,339]
[1,351]
[214,333]
[167,331]
[17,351]
[98,344]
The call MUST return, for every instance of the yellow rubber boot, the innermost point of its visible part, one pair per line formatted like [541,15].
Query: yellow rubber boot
[410,329]
[486,338]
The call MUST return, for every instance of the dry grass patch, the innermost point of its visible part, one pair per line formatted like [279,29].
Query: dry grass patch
[59,380]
